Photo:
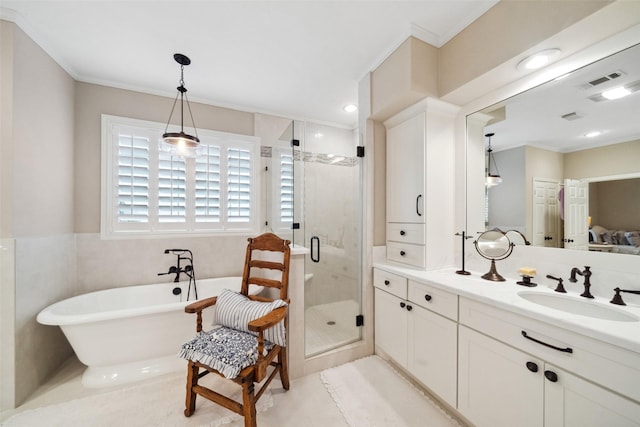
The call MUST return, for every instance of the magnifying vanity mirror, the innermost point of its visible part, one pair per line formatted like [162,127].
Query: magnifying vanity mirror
[568,152]
[493,245]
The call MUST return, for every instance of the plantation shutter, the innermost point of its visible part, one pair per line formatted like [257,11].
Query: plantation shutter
[207,185]
[172,189]
[286,188]
[238,185]
[133,179]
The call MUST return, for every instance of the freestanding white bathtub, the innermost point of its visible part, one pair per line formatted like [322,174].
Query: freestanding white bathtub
[131,333]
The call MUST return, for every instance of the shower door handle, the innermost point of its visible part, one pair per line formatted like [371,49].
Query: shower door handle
[316,257]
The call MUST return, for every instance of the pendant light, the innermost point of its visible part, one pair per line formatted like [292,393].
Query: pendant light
[181,143]
[491,179]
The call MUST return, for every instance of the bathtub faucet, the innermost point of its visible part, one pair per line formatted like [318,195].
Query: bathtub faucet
[183,255]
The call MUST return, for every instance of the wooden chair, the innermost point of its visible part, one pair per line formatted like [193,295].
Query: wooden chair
[268,354]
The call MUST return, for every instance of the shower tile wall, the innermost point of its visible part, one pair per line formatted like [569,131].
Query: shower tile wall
[44,274]
[103,264]
[330,206]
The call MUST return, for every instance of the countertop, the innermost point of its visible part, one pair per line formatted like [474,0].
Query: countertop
[504,295]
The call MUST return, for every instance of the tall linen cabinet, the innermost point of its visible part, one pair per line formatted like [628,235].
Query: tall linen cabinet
[420,185]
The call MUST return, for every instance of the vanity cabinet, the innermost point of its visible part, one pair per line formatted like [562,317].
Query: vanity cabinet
[419,208]
[415,325]
[507,379]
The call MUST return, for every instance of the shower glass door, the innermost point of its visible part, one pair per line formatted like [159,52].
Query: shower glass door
[328,209]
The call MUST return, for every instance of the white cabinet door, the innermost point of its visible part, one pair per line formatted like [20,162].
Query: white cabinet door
[405,171]
[391,326]
[433,344]
[497,385]
[573,402]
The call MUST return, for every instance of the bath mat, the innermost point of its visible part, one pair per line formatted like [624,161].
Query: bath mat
[371,393]
[157,403]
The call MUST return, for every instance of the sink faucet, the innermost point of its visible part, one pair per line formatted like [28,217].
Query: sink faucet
[587,277]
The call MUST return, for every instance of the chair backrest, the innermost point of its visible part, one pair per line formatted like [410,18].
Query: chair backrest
[255,262]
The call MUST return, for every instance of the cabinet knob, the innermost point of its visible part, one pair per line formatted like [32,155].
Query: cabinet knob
[402,305]
[532,366]
[409,308]
[551,376]
[427,297]
[402,232]
[387,283]
[402,253]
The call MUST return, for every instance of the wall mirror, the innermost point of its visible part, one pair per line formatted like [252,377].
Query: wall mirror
[568,153]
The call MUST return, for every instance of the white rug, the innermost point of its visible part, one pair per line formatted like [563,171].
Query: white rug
[157,403]
[371,393]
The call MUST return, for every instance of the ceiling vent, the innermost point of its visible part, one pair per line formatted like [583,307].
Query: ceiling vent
[603,79]
[571,116]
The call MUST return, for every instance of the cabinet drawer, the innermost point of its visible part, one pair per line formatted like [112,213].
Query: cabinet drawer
[434,299]
[612,367]
[406,232]
[406,253]
[389,282]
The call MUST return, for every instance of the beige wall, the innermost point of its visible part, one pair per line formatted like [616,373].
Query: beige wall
[503,32]
[92,101]
[408,75]
[42,143]
[610,160]
[615,205]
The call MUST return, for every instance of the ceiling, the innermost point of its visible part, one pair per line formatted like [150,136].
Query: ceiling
[535,116]
[300,59]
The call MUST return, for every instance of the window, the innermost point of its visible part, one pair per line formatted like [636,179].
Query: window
[281,188]
[146,191]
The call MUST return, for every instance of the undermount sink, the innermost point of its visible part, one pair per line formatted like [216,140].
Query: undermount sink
[582,307]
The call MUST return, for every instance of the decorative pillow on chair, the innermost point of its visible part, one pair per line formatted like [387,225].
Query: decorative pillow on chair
[235,310]
[226,350]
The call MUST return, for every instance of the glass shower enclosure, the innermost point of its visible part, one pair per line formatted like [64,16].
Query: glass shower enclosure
[316,201]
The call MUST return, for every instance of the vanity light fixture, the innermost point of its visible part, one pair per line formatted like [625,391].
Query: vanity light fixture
[350,108]
[538,59]
[491,179]
[180,143]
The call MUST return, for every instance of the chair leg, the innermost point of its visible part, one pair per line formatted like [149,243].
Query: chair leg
[192,380]
[284,368]
[249,404]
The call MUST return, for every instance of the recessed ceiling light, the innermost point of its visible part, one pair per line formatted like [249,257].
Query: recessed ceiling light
[539,59]
[350,108]
[616,93]
[593,134]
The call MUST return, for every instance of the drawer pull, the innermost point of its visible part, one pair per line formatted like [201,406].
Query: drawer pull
[532,366]
[402,305]
[402,253]
[564,350]
[402,232]
[409,307]
[427,297]
[387,283]
[551,376]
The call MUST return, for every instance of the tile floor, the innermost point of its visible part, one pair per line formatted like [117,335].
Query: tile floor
[310,405]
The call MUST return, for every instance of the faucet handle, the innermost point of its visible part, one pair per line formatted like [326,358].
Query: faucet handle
[617,298]
[560,287]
